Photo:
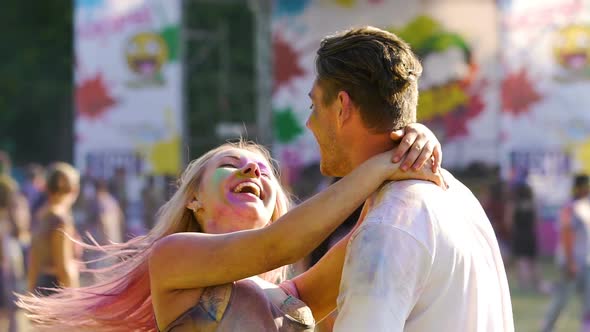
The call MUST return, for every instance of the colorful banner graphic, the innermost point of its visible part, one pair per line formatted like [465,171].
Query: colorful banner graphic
[546,65]
[545,117]
[128,87]
[458,99]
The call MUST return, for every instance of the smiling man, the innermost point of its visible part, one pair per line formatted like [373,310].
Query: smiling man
[425,257]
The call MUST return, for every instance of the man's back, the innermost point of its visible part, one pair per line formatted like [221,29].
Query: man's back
[424,259]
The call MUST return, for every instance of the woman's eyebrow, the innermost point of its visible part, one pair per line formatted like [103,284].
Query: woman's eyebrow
[233,157]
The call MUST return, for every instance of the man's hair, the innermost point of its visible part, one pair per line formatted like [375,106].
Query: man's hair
[62,178]
[581,180]
[377,69]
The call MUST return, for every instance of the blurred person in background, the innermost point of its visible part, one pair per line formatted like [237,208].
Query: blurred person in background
[11,258]
[34,186]
[573,256]
[52,255]
[83,204]
[104,216]
[494,203]
[226,223]
[151,198]
[19,217]
[118,188]
[522,222]
[103,220]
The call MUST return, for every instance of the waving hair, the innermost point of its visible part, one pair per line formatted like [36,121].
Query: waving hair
[120,298]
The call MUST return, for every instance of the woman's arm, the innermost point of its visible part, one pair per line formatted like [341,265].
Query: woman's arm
[194,260]
[318,287]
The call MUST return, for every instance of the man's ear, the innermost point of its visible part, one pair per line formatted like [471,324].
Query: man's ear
[345,107]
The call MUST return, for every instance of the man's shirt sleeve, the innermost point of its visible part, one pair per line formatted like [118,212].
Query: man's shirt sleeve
[384,272]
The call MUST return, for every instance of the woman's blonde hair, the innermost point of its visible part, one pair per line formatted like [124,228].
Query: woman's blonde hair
[120,300]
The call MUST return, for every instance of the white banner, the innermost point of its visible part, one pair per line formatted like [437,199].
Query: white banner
[546,84]
[545,92]
[128,86]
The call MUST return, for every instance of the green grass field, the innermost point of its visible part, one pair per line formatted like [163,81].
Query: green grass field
[529,307]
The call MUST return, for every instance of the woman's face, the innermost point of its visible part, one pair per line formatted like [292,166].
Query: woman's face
[238,191]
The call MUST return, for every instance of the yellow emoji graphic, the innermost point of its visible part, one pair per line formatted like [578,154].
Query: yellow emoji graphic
[146,54]
[572,47]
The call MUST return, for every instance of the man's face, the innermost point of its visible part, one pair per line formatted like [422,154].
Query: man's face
[322,122]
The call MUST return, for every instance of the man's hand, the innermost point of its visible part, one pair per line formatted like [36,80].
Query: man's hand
[418,144]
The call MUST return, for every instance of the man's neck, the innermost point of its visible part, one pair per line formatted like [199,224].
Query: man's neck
[369,145]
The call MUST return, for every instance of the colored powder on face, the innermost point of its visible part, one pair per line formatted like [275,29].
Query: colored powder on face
[216,183]
[219,175]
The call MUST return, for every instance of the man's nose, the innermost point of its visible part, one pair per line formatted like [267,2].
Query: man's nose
[251,169]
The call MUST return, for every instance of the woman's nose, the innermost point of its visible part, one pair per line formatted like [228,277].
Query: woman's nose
[251,169]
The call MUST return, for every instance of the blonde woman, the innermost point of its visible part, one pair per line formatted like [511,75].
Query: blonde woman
[220,244]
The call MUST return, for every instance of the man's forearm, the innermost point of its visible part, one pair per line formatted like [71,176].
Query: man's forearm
[318,287]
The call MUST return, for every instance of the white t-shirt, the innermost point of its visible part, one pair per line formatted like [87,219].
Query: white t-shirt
[424,259]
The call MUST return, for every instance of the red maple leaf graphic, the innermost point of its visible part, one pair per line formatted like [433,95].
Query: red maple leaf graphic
[455,122]
[93,98]
[286,62]
[518,93]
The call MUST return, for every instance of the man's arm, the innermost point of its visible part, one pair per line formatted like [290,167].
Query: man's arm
[318,287]
[383,273]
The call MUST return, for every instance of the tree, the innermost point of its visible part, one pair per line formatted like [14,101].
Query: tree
[36,80]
